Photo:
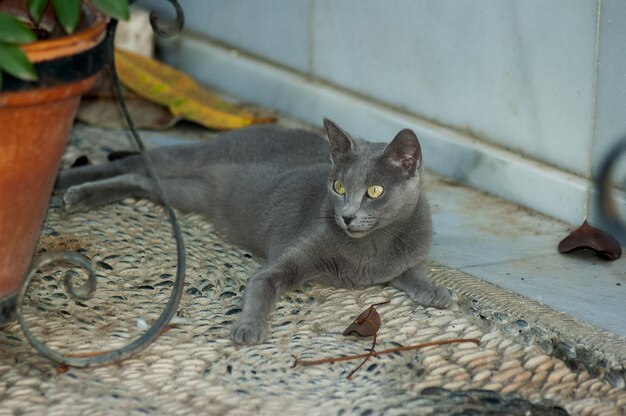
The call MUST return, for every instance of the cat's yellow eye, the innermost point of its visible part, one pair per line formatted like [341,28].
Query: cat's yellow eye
[375,191]
[339,188]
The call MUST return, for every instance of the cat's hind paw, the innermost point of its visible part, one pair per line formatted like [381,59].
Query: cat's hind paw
[248,333]
[72,200]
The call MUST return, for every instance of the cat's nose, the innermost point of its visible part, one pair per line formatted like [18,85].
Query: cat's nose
[347,219]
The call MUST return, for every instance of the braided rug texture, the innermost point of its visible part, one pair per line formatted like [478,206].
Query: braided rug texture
[523,365]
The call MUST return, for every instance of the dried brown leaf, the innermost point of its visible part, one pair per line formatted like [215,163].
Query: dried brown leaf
[588,237]
[184,97]
[367,323]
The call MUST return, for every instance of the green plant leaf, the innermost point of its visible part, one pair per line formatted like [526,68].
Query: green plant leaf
[36,9]
[14,31]
[117,9]
[14,61]
[68,12]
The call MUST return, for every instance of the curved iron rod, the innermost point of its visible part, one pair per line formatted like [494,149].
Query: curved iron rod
[605,201]
[85,291]
[172,28]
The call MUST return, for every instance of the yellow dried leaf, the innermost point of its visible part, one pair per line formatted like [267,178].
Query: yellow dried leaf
[183,96]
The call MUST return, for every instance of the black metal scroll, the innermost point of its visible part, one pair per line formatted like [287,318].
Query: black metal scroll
[606,202]
[86,290]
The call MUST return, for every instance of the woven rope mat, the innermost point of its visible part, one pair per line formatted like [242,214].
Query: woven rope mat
[531,360]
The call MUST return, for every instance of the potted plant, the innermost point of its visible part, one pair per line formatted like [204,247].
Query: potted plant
[50,53]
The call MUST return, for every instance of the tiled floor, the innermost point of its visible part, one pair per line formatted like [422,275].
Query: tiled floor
[517,249]
[509,246]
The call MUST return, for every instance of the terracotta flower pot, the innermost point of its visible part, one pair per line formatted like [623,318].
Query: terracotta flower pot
[35,122]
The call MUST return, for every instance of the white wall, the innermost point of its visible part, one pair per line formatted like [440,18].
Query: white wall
[520,98]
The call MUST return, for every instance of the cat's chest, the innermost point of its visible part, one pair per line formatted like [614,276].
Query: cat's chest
[352,265]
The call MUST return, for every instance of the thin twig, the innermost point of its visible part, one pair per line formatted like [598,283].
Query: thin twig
[389,351]
[365,360]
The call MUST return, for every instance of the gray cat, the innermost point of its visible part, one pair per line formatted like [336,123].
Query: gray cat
[356,218]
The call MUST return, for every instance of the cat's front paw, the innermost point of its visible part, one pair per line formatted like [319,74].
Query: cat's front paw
[75,199]
[436,296]
[249,332]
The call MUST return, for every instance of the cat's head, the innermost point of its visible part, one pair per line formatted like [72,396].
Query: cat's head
[372,185]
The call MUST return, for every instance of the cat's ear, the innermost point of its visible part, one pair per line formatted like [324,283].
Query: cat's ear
[404,152]
[340,142]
